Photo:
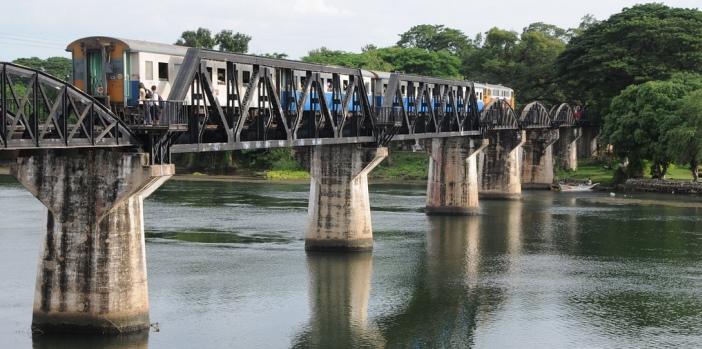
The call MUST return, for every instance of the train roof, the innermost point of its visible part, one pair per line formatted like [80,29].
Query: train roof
[134,45]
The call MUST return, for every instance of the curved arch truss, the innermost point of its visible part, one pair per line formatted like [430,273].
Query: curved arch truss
[498,115]
[40,111]
[563,115]
[535,115]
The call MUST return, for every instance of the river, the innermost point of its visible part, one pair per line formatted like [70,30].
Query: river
[227,269]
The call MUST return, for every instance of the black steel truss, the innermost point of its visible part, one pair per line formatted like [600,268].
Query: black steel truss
[40,111]
[274,108]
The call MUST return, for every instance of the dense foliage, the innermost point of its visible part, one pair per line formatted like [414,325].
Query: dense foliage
[225,40]
[642,43]
[654,121]
[59,67]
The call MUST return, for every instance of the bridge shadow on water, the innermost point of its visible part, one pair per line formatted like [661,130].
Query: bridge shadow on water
[449,293]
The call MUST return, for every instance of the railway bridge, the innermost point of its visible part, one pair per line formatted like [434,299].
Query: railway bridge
[93,169]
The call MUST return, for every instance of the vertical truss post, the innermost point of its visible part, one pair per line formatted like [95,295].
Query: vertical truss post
[35,109]
[3,106]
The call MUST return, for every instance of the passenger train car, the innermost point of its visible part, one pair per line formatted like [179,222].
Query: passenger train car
[110,69]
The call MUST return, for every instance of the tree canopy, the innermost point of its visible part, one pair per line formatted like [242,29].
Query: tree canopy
[434,38]
[524,62]
[640,118]
[59,67]
[642,43]
[225,40]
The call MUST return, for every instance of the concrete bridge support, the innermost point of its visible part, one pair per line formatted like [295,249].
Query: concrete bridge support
[92,271]
[452,186]
[499,165]
[339,216]
[587,144]
[567,148]
[537,158]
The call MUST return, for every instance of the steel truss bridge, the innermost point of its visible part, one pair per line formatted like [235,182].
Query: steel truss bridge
[38,111]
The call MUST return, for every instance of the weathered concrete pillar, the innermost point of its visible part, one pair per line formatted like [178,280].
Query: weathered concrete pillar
[567,148]
[92,271]
[587,144]
[339,216]
[499,166]
[452,186]
[537,158]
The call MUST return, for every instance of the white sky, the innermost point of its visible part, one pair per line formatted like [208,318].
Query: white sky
[44,27]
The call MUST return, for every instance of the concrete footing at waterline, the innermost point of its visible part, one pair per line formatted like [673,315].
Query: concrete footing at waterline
[452,183]
[537,158]
[339,217]
[499,166]
[92,270]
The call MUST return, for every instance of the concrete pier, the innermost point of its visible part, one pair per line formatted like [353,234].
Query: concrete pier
[537,158]
[499,166]
[566,148]
[452,186]
[92,270]
[339,215]
[587,144]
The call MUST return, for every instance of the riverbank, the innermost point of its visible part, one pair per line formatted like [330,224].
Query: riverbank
[662,186]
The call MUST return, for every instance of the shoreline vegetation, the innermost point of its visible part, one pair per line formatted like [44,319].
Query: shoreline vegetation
[400,165]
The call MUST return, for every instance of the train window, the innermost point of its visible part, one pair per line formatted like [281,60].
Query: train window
[221,76]
[246,77]
[346,84]
[209,72]
[302,82]
[163,71]
[149,70]
[367,84]
[403,88]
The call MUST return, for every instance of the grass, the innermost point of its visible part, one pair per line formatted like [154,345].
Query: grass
[596,171]
[286,175]
[587,168]
[405,165]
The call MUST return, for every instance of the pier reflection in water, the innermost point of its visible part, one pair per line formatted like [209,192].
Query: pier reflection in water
[227,268]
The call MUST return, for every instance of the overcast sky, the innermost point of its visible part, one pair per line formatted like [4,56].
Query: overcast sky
[43,28]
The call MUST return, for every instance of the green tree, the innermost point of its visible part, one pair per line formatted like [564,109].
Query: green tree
[639,118]
[232,42]
[642,43]
[367,60]
[59,67]
[524,62]
[422,62]
[434,38]
[200,38]
[684,134]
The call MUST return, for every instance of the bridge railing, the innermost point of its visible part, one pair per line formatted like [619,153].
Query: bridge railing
[162,113]
[389,116]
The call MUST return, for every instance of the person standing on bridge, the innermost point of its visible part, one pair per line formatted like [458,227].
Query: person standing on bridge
[144,101]
[155,105]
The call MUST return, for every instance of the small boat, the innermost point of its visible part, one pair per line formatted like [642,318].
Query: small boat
[562,187]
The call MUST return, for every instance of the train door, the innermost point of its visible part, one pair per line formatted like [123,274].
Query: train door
[96,75]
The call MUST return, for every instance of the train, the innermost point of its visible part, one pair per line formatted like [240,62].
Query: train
[110,69]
